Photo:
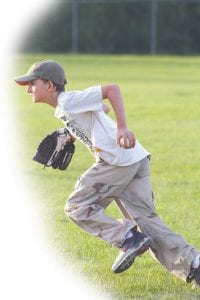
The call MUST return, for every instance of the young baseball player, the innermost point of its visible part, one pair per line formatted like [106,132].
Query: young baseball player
[121,172]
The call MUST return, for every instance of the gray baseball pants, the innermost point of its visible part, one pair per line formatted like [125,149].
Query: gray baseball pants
[130,187]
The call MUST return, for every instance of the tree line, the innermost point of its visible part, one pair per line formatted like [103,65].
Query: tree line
[122,27]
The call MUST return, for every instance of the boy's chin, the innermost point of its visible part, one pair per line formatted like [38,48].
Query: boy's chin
[36,100]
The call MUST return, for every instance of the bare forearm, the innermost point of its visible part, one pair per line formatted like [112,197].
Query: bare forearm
[113,94]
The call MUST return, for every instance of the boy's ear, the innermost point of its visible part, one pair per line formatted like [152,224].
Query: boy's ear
[51,86]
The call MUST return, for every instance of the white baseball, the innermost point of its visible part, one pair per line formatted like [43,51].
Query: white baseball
[122,144]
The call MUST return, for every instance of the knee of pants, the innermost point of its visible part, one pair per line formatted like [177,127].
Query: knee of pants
[83,212]
[67,209]
[72,212]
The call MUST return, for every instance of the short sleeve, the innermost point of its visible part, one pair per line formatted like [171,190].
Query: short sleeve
[76,102]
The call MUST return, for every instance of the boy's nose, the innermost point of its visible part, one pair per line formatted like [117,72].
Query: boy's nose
[28,89]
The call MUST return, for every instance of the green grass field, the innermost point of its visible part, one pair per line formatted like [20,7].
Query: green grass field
[162,96]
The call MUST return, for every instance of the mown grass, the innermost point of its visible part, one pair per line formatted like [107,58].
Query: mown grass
[161,96]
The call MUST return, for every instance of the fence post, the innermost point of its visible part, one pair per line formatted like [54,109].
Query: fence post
[153,27]
[74,27]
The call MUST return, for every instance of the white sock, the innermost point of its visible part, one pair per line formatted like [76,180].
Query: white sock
[129,235]
[196,261]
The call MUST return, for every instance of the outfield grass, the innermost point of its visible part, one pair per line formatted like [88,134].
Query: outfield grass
[161,96]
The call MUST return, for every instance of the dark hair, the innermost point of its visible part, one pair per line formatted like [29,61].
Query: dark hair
[59,87]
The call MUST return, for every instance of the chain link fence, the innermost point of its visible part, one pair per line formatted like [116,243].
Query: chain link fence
[116,26]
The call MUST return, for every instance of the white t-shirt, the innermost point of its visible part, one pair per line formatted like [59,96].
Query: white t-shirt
[82,113]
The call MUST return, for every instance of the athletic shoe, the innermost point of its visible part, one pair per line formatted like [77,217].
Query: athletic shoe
[194,271]
[130,249]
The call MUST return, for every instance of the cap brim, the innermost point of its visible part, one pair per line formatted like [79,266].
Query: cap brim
[24,79]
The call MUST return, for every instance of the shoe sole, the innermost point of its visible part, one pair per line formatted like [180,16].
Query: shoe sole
[130,258]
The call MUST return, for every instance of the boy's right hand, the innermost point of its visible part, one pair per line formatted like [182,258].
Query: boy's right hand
[126,138]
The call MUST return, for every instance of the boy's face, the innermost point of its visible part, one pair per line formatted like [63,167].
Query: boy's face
[39,90]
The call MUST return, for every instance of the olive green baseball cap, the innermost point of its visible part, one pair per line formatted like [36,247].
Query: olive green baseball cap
[47,70]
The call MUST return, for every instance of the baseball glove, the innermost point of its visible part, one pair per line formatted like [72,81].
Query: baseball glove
[55,150]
